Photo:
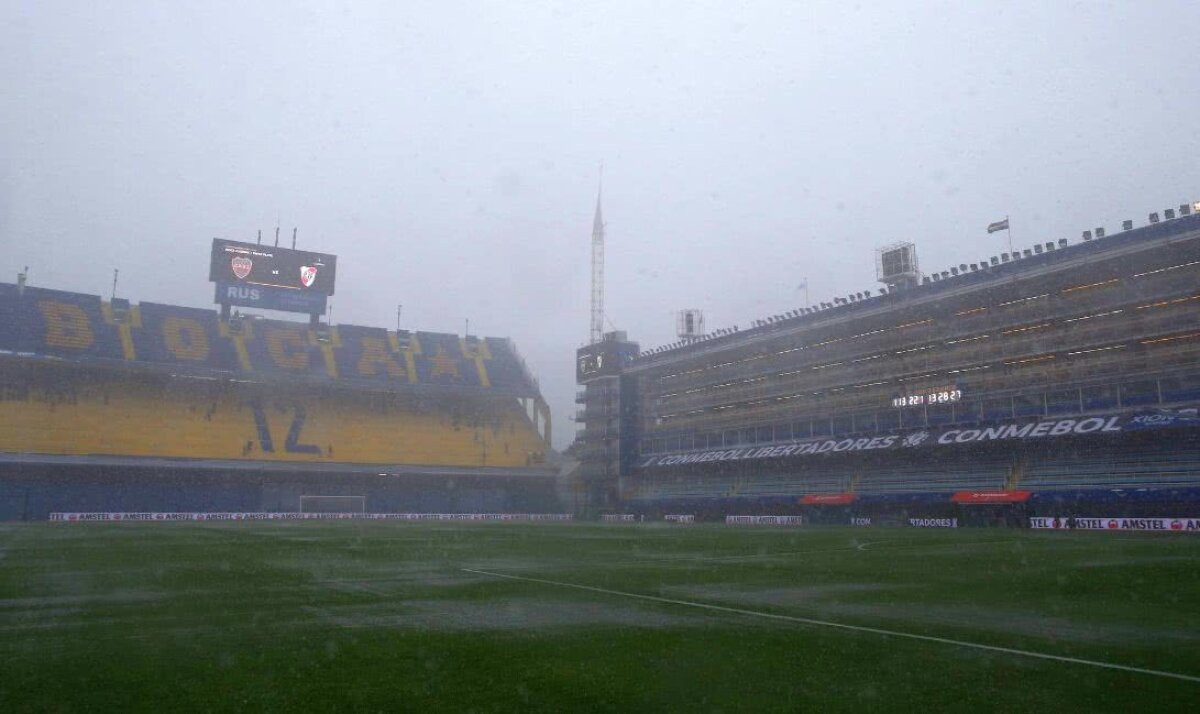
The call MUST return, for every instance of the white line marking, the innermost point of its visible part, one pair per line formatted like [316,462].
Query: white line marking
[843,626]
[644,559]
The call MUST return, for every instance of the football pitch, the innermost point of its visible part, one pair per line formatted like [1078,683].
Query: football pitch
[386,616]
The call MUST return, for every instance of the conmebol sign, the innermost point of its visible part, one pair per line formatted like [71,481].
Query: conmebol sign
[922,439]
[1062,427]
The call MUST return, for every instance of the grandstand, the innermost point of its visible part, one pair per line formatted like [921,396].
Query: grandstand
[107,405]
[1059,374]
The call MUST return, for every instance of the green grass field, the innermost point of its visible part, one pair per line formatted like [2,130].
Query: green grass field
[382,616]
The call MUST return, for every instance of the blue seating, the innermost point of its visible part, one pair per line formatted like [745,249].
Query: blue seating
[1127,468]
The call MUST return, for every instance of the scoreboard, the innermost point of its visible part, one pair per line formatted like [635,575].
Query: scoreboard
[264,266]
[603,359]
[945,394]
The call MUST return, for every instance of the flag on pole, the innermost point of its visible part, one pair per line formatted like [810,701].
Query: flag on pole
[998,226]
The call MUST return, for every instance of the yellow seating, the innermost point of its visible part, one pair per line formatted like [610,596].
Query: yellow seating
[140,415]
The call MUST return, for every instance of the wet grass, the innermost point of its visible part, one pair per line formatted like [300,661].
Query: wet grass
[381,616]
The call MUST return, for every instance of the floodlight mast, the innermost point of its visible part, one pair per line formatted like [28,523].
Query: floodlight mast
[597,331]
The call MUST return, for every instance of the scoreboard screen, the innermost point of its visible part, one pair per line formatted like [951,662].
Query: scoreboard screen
[237,263]
[603,359]
[949,394]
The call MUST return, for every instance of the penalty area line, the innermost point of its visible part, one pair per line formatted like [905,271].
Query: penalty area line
[844,626]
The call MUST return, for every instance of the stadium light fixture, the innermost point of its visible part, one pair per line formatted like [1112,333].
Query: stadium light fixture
[1050,245]
[925,279]
[1038,249]
[945,274]
[1099,231]
[1087,235]
[1003,256]
[1196,207]
[962,267]
[1126,225]
[1184,209]
[1169,214]
[1153,217]
[1062,242]
[1027,253]
[974,267]
[954,270]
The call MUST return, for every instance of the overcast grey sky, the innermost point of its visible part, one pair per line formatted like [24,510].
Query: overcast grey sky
[448,152]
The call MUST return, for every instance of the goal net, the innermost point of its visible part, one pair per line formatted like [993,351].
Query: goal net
[333,504]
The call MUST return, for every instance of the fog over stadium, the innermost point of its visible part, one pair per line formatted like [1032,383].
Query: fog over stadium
[449,154]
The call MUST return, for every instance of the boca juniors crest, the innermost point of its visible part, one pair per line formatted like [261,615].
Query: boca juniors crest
[308,273]
[241,266]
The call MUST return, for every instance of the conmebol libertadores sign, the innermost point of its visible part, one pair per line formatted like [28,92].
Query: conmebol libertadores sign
[927,438]
[933,522]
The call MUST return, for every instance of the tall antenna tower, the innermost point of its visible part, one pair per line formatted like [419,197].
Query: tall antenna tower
[598,267]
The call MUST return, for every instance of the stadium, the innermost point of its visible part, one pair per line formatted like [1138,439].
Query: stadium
[1053,382]
[352,517]
[112,406]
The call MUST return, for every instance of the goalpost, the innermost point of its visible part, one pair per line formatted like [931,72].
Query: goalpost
[333,504]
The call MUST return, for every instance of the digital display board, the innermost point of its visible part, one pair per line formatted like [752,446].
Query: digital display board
[251,264]
[938,395]
[603,359]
